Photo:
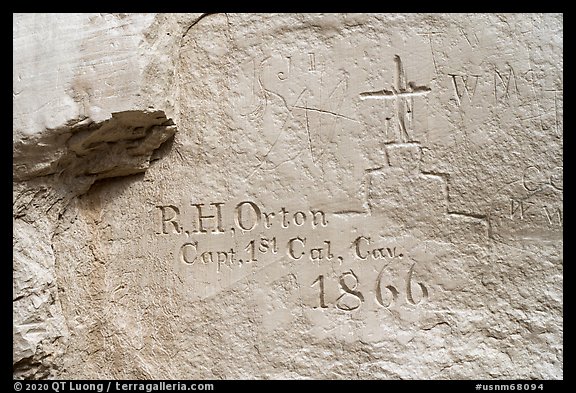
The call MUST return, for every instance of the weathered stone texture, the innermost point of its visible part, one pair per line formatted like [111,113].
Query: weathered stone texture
[288,196]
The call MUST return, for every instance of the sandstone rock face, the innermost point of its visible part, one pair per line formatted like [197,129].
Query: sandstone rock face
[288,196]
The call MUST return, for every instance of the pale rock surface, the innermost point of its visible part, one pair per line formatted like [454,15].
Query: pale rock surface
[288,196]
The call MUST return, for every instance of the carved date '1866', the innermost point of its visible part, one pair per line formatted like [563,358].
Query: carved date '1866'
[386,295]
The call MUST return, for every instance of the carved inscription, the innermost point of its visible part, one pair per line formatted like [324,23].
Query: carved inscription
[528,206]
[403,94]
[227,237]
[464,86]
[505,84]
[385,294]
[295,102]
[534,178]
[312,62]
[531,207]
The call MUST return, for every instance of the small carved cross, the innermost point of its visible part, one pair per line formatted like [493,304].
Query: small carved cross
[401,92]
